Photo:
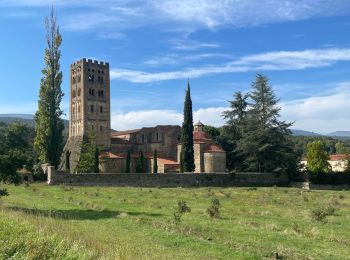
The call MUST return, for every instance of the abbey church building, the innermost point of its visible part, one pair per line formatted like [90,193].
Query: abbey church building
[90,113]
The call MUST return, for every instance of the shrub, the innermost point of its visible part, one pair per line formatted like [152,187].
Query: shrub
[214,209]
[3,193]
[334,178]
[38,173]
[177,217]
[182,207]
[320,214]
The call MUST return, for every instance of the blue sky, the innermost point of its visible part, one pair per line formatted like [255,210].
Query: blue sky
[154,46]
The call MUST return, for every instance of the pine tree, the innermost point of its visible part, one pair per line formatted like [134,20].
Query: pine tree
[128,162]
[49,125]
[187,152]
[232,131]
[155,163]
[265,144]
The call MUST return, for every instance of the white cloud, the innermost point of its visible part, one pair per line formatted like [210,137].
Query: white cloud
[192,14]
[191,45]
[321,114]
[174,59]
[144,118]
[270,61]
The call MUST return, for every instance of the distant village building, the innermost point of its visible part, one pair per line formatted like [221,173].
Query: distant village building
[90,113]
[338,162]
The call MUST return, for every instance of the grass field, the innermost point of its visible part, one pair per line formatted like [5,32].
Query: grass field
[42,222]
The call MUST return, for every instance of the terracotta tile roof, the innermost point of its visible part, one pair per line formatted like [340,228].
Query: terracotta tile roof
[213,148]
[199,135]
[167,161]
[112,155]
[337,157]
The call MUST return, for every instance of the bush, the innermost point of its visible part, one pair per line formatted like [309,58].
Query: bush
[214,209]
[333,178]
[320,214]
[182,207]
[38,173]
[177,217]
[3,193]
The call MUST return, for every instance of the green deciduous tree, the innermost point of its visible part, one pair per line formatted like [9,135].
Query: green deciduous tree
[187,152]
[49,125]
[16,150]
[155,162]
[317,158]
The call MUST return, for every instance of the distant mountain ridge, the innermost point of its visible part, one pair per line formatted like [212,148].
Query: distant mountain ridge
[24,119]
[298,132]
[340,133]
[29,119]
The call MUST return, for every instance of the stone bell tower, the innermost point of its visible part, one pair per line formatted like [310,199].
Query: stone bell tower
[89,109]
[90,101]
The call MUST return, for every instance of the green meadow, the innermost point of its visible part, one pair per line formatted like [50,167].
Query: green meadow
[62,222]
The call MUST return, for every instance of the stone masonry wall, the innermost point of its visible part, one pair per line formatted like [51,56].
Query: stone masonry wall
[167,180]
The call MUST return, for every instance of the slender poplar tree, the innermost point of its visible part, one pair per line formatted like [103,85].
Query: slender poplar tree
[187,152]
[49,126]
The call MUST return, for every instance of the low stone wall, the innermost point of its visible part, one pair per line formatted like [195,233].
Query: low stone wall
[167,179]
[312,186]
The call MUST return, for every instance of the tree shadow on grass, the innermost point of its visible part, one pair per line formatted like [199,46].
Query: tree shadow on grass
[78,214]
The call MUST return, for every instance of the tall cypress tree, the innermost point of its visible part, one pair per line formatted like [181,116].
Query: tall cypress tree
[155,162]
[128,162]
[49,125]
[187,152]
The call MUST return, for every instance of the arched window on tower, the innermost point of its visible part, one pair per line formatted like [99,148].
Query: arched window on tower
[92,108]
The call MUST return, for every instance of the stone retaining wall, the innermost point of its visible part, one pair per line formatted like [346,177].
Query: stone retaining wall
[167,179]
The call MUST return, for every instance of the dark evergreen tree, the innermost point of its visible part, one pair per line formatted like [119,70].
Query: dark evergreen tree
[89,156]
[97,160]
[265,143]
[232,131]
[128,162]
[67,155]
[187,153]
[140,166]
[155,162]
[49,125]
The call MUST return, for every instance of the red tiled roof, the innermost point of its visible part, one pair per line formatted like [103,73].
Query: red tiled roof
[337,157]
[199,135]
[214,149]
[112,155]
[167,161]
